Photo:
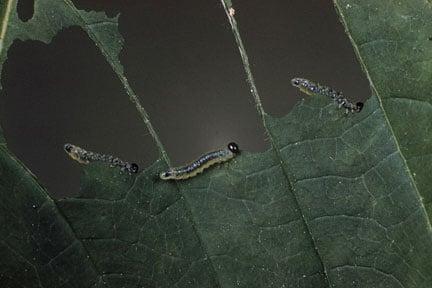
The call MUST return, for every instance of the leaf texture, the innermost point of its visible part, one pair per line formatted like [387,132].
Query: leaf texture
[338,201]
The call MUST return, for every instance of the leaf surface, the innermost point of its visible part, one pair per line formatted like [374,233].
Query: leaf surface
[338,201]
[395,52]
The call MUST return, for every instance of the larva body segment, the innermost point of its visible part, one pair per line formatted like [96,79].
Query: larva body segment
[77,153]
[85,157]
[202,163]
[311,88]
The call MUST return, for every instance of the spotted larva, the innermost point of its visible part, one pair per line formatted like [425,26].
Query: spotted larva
[85,157]
[202,163]
[312,88]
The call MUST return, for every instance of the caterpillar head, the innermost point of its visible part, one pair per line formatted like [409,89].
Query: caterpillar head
[359,106]
[233,147]
[132,167]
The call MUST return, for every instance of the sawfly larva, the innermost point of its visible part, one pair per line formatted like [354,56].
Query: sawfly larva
[85,157]
[202,163]
[311,88]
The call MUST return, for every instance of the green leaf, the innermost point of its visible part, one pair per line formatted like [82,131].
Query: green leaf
[395,52]
[37,246]
[338,201]
[50,17]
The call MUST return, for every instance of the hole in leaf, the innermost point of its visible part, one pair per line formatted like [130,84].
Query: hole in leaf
[110,7]
[282,45]
[25,9]
[67,92]
[190,77]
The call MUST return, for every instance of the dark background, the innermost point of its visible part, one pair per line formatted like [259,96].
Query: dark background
[180,58]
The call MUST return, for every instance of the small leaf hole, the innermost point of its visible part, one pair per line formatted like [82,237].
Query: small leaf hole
[25,9]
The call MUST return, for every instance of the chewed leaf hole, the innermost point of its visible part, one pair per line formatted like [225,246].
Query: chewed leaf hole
[25,9]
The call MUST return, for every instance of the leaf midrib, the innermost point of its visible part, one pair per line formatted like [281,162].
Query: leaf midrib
[132,96]
[115,66]
[378,95]
[5,22]
[6,18]
[254,91]
[145,117]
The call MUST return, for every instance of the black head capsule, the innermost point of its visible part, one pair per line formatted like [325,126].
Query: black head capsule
[134,168]
[233,147]
[359,106]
